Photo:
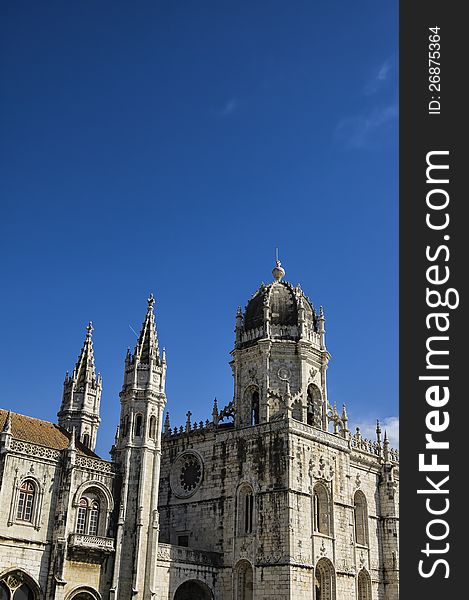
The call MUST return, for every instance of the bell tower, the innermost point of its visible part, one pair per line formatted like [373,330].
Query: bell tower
[280,357]
[138,453]
[82,396]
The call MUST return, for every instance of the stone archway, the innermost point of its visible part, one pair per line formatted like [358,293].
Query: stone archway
[193,590]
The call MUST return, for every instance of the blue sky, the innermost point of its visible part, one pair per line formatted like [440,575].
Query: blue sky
[170,147]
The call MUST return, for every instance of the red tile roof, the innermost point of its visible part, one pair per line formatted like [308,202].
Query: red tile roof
[43,433]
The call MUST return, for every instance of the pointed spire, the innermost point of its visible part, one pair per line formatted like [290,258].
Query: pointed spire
[167,424]
[386,453]
[378,432]
[215,415]
[84,369]
[82,394]
[147,344]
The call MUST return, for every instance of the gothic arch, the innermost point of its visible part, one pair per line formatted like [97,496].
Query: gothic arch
[102,489]
[106,502]
[20,585]
[324,580]
[244,580]
[363,585]
[193,589]
[84,593]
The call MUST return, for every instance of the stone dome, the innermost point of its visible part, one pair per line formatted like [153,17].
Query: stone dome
[277,310]
[279,297]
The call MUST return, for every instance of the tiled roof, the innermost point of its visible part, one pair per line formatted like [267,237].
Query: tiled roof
[43,433]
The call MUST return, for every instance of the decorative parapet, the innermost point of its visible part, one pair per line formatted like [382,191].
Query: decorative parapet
[91,542]
[94,464]
[35,450]
[181,554]
[372,447]
[318,435]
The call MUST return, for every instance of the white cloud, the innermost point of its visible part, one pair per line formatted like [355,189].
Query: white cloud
[378,79]
[389,424]
[360,131]
[229,108]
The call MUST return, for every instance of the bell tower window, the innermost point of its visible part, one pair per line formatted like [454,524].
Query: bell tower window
[255,408]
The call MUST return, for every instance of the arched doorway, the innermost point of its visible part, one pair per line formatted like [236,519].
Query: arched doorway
[364,585]
[193,590]
[244,580]
[324,580]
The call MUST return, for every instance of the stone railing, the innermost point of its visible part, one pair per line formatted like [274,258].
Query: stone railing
[181,554]
[95,464]
[34,450]
[91,542]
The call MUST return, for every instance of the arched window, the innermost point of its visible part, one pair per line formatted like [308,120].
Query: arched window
[324,580]
[15,586]
[255,408]
[321,510]
[86,440]
[244,580]
[314,406]
[26,501]
[364,585]
[245,510]
[138,425]
[88,515]
[152,433]
[360,518]
[125,426]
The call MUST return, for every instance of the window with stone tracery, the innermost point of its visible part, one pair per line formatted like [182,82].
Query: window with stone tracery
[88,514]
[26,501]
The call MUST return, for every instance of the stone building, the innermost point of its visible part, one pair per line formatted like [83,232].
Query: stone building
[273,497]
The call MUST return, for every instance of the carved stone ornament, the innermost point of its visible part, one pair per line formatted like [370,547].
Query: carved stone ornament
[324,470]
[313,372]
[186,474]
[284,373]
[358,480]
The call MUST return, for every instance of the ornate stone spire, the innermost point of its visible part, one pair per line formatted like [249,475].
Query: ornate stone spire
[84,370]
[147,344]
[82,396]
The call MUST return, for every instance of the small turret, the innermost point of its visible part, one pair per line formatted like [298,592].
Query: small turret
[82,396]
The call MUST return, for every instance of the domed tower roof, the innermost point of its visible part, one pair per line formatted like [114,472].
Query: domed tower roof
[277,310]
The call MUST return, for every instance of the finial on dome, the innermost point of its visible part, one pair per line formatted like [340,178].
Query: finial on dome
[278,271]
